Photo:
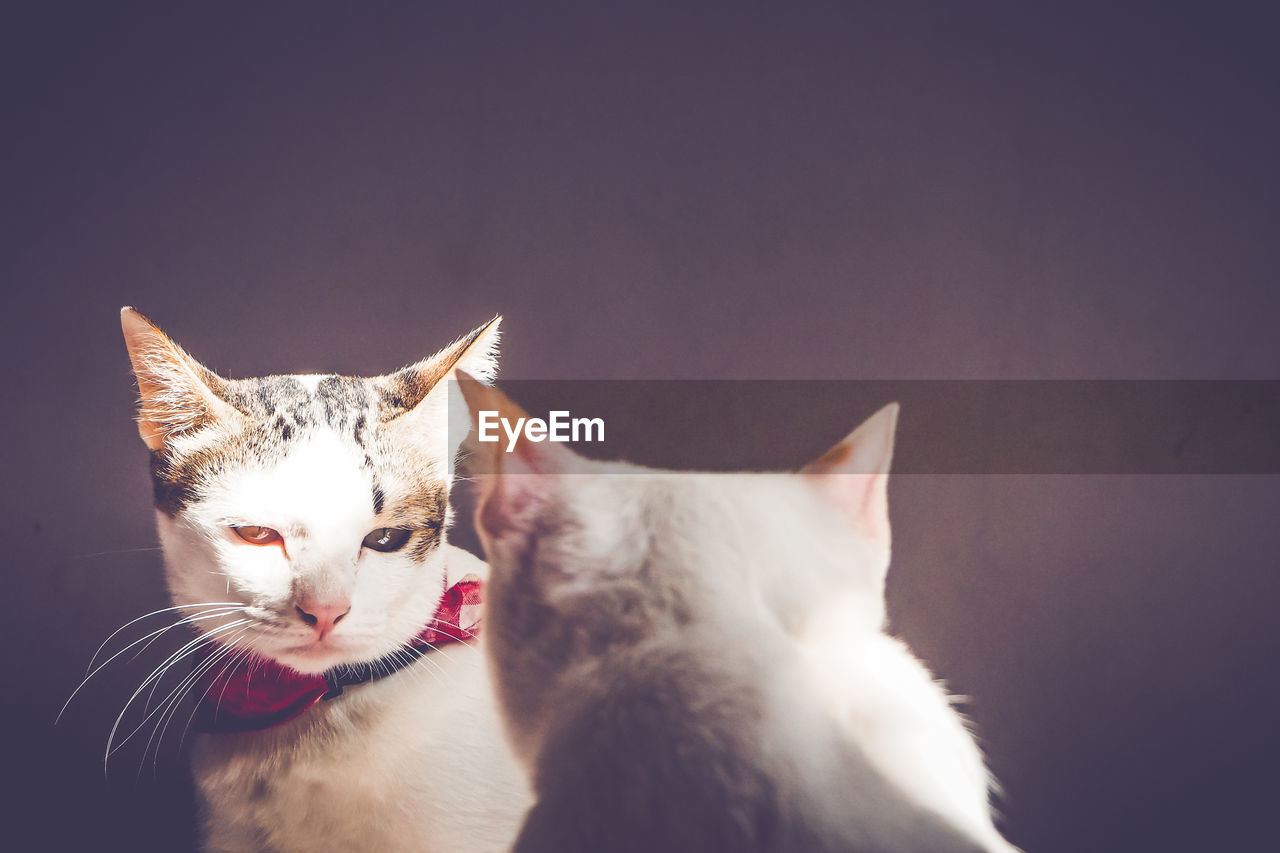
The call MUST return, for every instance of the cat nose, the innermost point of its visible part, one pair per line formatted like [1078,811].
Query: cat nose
[322,614]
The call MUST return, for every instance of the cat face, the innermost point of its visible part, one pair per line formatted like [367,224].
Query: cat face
[315,505]
[589,559]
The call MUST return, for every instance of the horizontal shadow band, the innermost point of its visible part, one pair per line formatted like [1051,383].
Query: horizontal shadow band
[945,426]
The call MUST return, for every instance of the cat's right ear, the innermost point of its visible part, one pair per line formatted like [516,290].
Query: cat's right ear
[176,393]
[855,474]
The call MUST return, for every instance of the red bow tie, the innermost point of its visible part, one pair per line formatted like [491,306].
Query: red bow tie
[257,693]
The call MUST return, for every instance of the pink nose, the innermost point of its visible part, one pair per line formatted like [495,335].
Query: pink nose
[322,614]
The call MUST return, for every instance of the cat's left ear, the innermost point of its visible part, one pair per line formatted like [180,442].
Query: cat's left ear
[855,474]
[417,396]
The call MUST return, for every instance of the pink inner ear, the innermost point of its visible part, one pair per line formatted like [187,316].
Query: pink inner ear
[855,473]
[511,495]
[494,515]
[863,498]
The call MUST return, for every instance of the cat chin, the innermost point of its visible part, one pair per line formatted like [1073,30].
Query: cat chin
[315,659]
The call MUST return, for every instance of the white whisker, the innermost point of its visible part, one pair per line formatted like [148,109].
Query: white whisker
[174,695]
[436,669]
[471,635]
[156,676]
[234,662]
[149,638]
[159,671]
[156,613]
[229,651]
[411,660]
[438,650]
[118,551]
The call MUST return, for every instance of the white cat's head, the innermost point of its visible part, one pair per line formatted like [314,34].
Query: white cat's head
[588,557]
[319,504]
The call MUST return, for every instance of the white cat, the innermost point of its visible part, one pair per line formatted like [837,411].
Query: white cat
[303,520]
[691,662]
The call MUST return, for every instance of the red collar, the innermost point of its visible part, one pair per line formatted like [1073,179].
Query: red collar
[258,693]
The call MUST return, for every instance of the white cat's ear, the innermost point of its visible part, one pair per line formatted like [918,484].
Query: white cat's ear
[177,393]
[855,473]
[513,477]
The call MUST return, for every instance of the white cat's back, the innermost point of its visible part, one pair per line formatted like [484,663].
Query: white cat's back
[903,721]
[667,748]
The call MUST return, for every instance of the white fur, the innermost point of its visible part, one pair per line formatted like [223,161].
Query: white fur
[412,763]
[904,723]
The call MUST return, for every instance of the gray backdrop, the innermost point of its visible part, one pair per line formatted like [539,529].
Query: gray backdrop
[945,191]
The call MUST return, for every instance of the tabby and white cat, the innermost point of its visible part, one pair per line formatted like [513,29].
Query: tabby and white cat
[690,662]
[304,518]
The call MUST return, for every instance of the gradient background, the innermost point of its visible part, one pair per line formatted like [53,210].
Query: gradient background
[678,191]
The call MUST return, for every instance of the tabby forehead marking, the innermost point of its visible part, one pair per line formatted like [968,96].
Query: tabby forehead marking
[280,411]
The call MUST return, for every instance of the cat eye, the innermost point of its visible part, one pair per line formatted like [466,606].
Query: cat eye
[257,535]
[386,539]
